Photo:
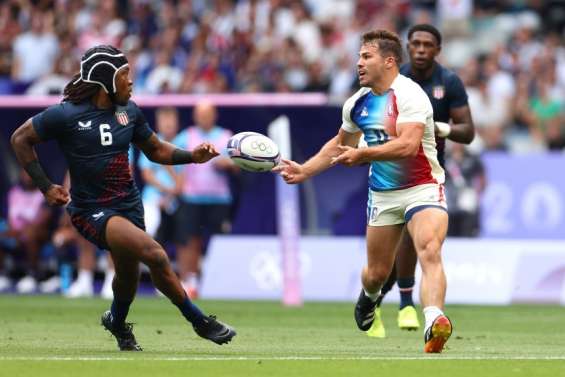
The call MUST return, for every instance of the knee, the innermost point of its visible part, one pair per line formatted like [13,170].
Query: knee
[156,257]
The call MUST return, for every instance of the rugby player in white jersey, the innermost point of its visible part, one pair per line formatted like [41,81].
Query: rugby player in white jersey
[395,117]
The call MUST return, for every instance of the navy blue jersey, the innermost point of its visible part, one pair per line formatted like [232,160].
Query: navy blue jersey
[445,91]
[95,143]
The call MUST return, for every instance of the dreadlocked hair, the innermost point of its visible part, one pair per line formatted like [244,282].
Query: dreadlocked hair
[78,91]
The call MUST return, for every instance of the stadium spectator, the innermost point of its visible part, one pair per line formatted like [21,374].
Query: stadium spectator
[35,51]
[162,183]
[29,225]
[465,182]
[206,196]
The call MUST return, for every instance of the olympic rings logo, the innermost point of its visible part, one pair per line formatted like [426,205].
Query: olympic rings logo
[261,146]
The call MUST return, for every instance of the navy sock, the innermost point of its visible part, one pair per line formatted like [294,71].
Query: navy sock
[191,312]
[406,286]
[119,312]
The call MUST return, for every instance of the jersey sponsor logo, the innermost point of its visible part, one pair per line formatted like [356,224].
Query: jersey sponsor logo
[438,92]
[364,112]
[84,125]
[122,118]
[98,215]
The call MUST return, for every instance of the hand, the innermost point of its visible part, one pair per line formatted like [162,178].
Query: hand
[348,156]
[204,152]
[57,196]
[291,171]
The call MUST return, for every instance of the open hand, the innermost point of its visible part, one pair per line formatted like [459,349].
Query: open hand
[204,152]
[291,171]
[57,195]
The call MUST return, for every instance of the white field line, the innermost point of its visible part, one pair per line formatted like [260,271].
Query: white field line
[282,358]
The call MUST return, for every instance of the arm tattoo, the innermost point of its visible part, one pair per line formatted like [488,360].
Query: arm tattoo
[180,156]
[38,176]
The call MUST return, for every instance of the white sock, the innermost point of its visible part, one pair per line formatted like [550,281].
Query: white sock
[372,296]
[192,280]
[430,314]
[109,276]
[85,277]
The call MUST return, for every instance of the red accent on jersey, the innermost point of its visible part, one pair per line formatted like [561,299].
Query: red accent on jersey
[420,171]
[84,226]
[117,179]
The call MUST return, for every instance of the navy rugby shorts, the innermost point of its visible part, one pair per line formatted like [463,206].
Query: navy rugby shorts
[91,222]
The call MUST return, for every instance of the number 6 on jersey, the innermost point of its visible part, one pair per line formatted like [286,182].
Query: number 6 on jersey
[105,137]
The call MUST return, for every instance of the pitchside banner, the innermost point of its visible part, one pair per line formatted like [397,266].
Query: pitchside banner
[524,197]
[478,271]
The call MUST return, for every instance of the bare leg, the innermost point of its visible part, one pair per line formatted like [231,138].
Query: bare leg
[128,241]
[129,245]
[381,245]
[87,254]
[189,256]
[428,228]
[406,257]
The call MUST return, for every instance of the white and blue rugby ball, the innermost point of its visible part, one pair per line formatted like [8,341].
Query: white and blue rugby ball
[253,151]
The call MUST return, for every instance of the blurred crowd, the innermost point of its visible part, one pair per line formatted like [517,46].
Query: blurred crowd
[511,54]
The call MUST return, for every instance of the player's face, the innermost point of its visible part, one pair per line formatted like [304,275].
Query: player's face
[422,48]
[123,86]
[371,65]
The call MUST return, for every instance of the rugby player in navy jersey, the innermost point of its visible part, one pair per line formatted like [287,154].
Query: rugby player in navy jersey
[453,121]
[94,126]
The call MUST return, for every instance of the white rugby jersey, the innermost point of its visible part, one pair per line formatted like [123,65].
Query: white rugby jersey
[378,115]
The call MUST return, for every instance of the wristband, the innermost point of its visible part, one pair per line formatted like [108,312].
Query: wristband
[180,156]
[443,129]
[38,176]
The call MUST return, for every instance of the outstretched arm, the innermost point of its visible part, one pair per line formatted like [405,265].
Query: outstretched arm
[163,152]
[293,172]
[23,141]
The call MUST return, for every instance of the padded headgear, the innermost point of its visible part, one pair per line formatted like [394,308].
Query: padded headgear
[100,64]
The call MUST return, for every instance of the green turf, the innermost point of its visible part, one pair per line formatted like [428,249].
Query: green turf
[51,336]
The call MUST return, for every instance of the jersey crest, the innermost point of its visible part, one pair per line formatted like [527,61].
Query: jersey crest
[122,118]
[438,92]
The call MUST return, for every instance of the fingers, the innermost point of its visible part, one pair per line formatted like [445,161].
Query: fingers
[336,160]
[278,168]
[208,148]
[290,178]
[212,150]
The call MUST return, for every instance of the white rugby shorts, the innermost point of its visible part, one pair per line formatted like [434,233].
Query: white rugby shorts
[398,206]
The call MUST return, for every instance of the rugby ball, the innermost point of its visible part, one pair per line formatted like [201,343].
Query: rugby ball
[253,151]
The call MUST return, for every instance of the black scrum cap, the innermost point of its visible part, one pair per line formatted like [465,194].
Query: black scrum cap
[100,64]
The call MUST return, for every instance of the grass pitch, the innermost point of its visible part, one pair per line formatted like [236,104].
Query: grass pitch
[52,336]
